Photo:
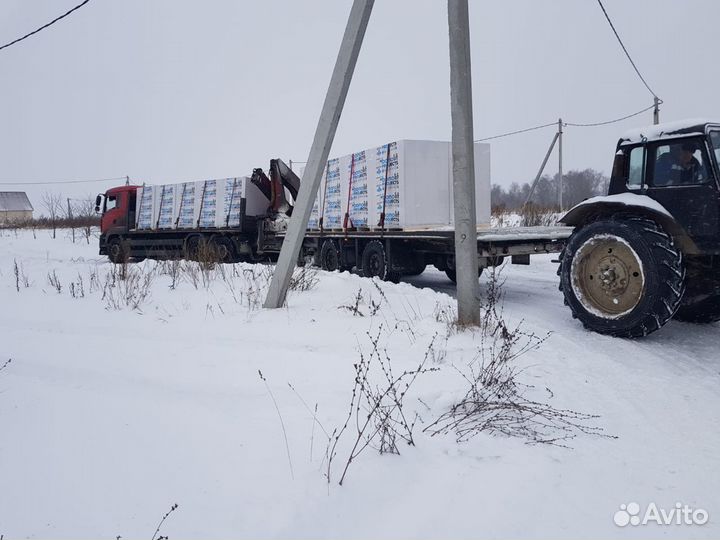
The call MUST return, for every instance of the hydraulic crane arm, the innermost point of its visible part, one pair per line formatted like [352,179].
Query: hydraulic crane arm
[280,177]
[286,175]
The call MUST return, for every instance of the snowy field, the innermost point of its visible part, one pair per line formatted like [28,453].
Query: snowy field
[124,397]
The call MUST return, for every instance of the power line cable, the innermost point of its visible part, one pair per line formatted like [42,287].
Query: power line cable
[60,182]
[571,124]
[44,26]
[516,132]
[625,49]
[594,124]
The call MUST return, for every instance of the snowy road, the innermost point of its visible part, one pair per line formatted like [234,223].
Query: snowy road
[110,416]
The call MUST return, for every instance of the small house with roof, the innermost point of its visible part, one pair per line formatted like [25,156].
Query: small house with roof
[14,207]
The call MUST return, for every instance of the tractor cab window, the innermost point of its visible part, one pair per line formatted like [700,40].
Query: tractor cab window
[111,201]
[679,164]
[637,166]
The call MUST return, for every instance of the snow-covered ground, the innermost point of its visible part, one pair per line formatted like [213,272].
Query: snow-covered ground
[110,416]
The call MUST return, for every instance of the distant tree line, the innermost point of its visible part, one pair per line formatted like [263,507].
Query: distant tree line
[577,186]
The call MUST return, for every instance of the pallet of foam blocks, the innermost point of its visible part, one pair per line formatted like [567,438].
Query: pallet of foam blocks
[405,184]
[215,203]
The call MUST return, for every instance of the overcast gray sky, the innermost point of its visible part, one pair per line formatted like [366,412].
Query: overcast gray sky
[165,90]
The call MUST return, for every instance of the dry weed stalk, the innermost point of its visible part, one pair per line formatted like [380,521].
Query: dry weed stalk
[377,408]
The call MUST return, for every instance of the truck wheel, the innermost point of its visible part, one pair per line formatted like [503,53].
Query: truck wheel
[622,276]
[702,311]
[330,256]
[224,249]
[191,249]
[117,251]
[375,262]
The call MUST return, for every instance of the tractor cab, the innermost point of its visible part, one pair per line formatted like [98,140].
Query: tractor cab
[675,165]
[118,209]
[649,250]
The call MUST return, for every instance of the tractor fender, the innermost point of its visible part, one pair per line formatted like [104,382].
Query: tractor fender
[641,205]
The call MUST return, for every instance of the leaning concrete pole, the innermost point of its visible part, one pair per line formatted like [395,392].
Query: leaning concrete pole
[320,149]
[466,255]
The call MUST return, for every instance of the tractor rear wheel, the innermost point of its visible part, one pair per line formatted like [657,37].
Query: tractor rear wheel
[622,276]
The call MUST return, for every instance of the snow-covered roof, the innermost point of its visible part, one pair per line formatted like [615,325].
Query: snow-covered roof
[691,126]
[14,201]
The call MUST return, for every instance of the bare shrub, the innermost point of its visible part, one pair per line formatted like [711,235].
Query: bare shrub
[126,287]
[447,315]
[282,423]
[85,217]
[94,281]
[377,407]
[496,402]
[191,272]
[501,217]
[77,288]
[21,277]
[314,414]
[248,285]
[173,269]
[157,531]
[54,281]
[6,364]
[532,215]
[17,275]
[304,278]
[375,306]
[208,258]
[354,306]
[491,305]
[53,203]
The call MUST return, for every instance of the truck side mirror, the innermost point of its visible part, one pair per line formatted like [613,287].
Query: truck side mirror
[98,200]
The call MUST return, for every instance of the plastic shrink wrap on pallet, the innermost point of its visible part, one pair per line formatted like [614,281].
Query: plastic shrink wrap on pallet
[207,204]
[405,184]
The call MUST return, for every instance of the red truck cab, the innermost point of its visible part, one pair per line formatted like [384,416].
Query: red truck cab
[118,209]
[118,217]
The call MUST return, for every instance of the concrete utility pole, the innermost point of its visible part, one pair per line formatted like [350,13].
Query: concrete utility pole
[463,156]
[320,149]
[542,168]
[560,168]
